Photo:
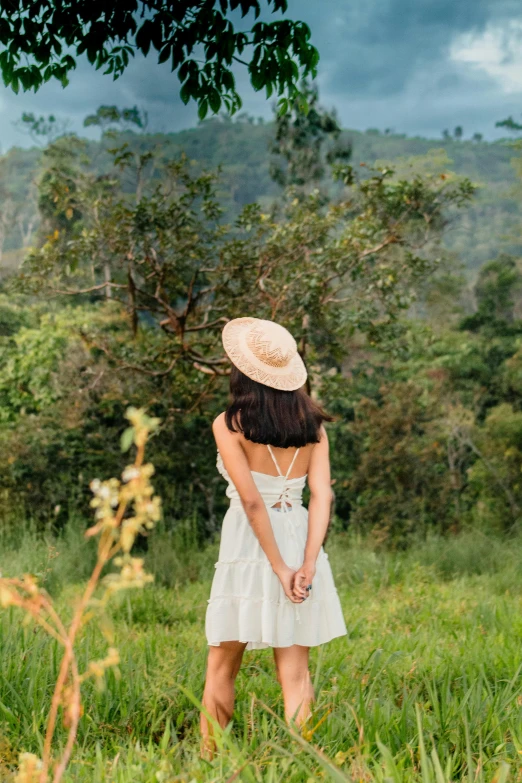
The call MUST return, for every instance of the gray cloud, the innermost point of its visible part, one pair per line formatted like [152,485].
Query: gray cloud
[387,63]
[379,44]
[384,63]
[145,83]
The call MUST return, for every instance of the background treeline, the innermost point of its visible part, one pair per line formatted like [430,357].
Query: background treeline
[136,255]
[240,148]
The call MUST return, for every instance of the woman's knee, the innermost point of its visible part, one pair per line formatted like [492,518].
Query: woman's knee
[223,662]
[292,666]
[294,677]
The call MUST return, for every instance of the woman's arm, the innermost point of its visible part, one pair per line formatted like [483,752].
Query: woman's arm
[236,464]
[318,512]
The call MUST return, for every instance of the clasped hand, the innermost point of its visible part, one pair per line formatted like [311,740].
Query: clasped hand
[295,582]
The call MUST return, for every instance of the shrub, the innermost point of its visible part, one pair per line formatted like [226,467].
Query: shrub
[402,483]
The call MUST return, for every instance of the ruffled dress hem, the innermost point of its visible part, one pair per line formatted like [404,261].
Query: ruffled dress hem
[263,645]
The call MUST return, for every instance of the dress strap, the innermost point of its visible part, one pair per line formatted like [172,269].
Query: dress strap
[274,460]
[279,472]
[292,463]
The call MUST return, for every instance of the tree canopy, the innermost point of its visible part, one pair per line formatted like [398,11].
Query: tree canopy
[40,39]
[160,249]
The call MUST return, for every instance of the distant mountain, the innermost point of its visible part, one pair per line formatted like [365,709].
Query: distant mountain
[492,224]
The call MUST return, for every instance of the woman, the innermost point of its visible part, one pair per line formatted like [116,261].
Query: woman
[273,585]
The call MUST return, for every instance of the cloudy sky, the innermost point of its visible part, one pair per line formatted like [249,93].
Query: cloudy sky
[416,66]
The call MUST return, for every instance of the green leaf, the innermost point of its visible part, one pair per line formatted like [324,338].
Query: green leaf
[502,773]
[203,109]
[439,774]
[215,101]
[157,33]
[392,771]
[26,79]
[185,93]
[283,107]
[144,36]
[164,54]
[424,761]
[257,79]
[127,439]
[228,80]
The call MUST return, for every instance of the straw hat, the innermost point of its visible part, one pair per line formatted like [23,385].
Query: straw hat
[265,351]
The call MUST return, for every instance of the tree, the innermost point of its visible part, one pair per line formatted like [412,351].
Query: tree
[18,205]
[179,273]
[458,132]
[115,119]
[510,124]
[306,140]
[400,485]
[42,130]
[112,120]
[41,38]
[478,137]
[497,292]
[7,211]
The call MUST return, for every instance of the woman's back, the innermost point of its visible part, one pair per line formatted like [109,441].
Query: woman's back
[260,460]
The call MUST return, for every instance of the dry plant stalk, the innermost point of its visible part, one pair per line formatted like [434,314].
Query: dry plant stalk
[122,510]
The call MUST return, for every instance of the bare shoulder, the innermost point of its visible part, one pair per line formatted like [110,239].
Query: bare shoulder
[219,423]
[322,443]
[320,450]
[221,432]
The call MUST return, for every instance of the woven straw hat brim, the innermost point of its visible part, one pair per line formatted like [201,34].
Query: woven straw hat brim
[288,378]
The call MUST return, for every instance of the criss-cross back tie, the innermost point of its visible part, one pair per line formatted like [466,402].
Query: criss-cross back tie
[283,498]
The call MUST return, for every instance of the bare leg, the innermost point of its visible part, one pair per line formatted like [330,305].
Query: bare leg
[294,676]
[218,696]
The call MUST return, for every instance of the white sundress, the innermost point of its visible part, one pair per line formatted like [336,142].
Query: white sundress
[247,602]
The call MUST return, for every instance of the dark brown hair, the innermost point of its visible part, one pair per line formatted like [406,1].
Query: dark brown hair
[266,415]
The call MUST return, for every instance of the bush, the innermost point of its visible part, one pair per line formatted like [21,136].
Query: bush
[495,480]
[402,483]
[61,414]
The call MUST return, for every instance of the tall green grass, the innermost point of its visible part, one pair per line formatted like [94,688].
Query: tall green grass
[426,687]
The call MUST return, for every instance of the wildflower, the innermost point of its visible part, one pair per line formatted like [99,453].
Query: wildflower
[130,472]
[28,769]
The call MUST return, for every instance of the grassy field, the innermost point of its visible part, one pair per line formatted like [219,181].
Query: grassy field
[426,687]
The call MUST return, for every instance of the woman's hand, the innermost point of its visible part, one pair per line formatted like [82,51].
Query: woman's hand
[286,576]
[303,577]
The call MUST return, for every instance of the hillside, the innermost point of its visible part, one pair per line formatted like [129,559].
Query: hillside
[240,148]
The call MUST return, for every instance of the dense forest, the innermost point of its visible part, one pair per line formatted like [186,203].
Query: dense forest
[394,264]
[241,149]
